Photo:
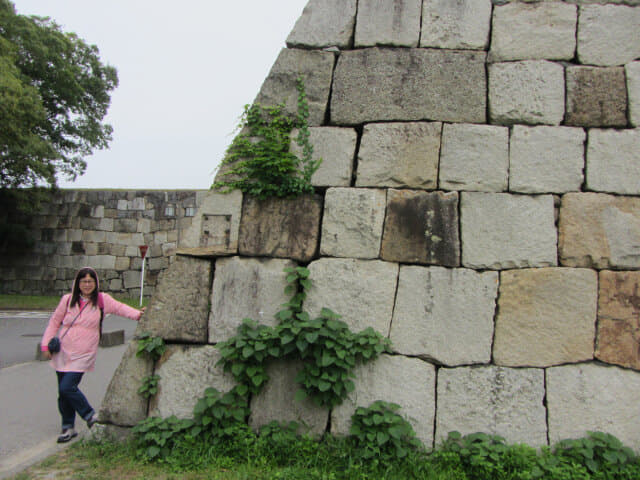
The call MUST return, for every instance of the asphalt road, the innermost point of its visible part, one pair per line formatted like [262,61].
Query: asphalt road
[29,418]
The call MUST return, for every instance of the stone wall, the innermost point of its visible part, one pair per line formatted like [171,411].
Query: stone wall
[478,203]
[104,229]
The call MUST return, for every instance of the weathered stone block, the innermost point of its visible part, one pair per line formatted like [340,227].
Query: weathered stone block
[596,96]
[388,22]
[463,24]
[599,231]
[495,400]
[185,372]
[324,23]
[375,84]
[122,263]
[336,147]
[122,404]
[280,86]
[632,71]
[618,338]
[445,315]
[592,397]
[408,382]
[612,161]
[530,92]
[276,401]
[352,222]
[546,159]
[362,292]
[281,227]
[544,30]
[608,34]
[399,155]
[421,227]
[179,309]
[546,316]
[474,157]
[500,231]
[246,288]
[110,339]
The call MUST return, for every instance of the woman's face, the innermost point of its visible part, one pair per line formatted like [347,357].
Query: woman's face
[87,285]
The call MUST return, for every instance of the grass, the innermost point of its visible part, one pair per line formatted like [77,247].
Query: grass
[49,303]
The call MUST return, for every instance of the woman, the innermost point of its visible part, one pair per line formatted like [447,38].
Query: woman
[79,344]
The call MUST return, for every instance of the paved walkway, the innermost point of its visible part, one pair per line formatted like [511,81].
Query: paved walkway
[29,418]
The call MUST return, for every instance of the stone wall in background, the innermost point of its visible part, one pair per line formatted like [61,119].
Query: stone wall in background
[104,229]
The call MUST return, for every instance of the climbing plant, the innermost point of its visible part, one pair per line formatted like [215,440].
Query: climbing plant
[258,161]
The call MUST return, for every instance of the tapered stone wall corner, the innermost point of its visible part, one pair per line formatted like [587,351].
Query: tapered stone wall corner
[546,316]
[276,402]
[618,340]
[324,23]
[179,310]
[362,292]
[421,227]
[445,314]
[246,288]
[281,227]
[503,401]
[592,397]
[122,405]
[408,382]
[599,231]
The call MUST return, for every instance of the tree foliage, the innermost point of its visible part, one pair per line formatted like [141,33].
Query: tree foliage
[54,95]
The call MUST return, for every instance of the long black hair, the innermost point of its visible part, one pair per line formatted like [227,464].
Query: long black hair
[75,293]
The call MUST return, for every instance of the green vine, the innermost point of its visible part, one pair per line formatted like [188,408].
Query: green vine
[259,161]
[149,386]
[150,346]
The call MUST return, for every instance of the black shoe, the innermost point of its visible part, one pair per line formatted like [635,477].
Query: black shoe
[67,434]
[92,420]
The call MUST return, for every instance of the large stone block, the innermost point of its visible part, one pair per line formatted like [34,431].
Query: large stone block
[179,310]
[185,372]
[122,404]
[388,22]
[336,147]
[592,397]
[463,24]
[546,159]
[375,84]
[530,92]
[215,226]
[324,23]
[281,227]
[362,292]
[618,339]
[280,86]
[546,316]
[408,382]
[246,288]
[474,157]
[445,315]
[352,222]
[276,401]
[500,231]
[632,71]
[523,31]
[599,231]
[608,34]
[495,400]
[421,227]
[399,155]
[596,96]
[613,161]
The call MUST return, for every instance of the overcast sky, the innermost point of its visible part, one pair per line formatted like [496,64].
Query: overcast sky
[186,70]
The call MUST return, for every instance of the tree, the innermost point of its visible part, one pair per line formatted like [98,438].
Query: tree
[54,95]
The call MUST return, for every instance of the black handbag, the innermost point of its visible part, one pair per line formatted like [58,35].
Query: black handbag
[54,343]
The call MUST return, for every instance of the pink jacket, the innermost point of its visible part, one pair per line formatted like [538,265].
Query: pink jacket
[80,346]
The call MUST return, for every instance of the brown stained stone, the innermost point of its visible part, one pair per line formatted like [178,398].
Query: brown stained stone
[281,227]
[421,227]
[618,339]
[596,96]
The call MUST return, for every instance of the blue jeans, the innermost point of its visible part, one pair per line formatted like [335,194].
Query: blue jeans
[71,399]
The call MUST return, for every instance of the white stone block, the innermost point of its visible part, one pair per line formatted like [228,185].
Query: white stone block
[388,22]
[324,23]
[632,71]
[463,24]
[613,161]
